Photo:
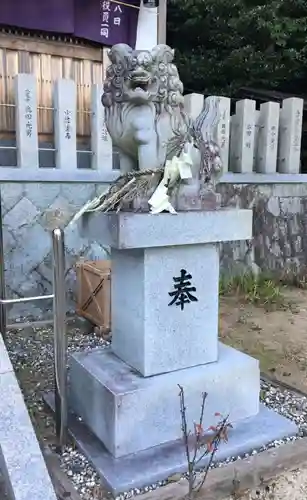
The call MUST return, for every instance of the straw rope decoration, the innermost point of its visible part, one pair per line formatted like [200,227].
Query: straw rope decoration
[123,191]
[141,184]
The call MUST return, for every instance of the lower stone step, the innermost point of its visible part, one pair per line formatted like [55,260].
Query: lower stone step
[129,413]
[156,464]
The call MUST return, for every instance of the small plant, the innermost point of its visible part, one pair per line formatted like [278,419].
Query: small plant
[261,290]
[202,442]
[296,278]
[263,492]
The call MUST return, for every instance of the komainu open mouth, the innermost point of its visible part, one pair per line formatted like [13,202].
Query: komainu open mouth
[139,84]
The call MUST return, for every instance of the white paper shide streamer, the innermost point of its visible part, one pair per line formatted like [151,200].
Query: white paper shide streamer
[177,167]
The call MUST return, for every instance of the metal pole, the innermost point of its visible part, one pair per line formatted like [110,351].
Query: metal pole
[22,300]
[162,13]
[60,339]
[2,280]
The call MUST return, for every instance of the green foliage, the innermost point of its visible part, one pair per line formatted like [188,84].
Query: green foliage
[222,45]
[259,290]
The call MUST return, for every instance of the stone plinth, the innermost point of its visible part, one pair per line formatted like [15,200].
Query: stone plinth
[130,413]
[154,329]
[149,332]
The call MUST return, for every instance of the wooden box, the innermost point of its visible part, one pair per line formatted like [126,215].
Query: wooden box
[94,293]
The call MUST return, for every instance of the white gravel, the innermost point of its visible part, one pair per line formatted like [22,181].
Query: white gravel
[32,350]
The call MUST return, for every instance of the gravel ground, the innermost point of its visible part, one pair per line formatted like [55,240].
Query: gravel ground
[31,352]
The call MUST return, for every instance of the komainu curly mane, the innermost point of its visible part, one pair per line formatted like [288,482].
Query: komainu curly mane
[143,91]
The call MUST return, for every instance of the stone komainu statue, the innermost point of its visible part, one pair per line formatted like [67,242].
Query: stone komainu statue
[144,109]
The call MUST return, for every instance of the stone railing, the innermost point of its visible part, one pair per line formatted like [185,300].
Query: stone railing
[258,144]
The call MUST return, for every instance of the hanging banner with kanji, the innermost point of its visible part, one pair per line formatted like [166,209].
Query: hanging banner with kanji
[103,21]
[106,22]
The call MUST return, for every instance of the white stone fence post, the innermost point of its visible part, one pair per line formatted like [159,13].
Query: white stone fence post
[265,141]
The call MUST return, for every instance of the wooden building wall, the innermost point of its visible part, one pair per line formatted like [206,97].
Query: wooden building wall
[49,60]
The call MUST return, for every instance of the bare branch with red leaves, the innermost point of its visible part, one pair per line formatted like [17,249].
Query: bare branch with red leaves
[202,442]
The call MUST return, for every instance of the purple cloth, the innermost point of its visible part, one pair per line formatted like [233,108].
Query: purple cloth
[42,15]
[97,20]
[106,22]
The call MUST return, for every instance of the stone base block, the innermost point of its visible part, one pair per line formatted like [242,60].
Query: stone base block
[155,332]
[129,413]
[156,464]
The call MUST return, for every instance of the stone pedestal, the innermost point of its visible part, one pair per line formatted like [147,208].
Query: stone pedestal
[165,276]
[153,330]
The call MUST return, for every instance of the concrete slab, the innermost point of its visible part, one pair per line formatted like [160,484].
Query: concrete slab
[21,461]
[130,413]
[5,363]
[126,230]
[149,466]
[249,474]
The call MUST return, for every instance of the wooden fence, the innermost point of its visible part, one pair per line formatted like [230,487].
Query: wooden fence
[265,141]
[48,59]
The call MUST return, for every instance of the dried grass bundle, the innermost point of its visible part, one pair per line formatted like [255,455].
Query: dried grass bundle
[123,191]
[128,187]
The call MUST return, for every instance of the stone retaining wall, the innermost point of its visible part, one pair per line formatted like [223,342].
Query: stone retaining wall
[29,212]
[279,228]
